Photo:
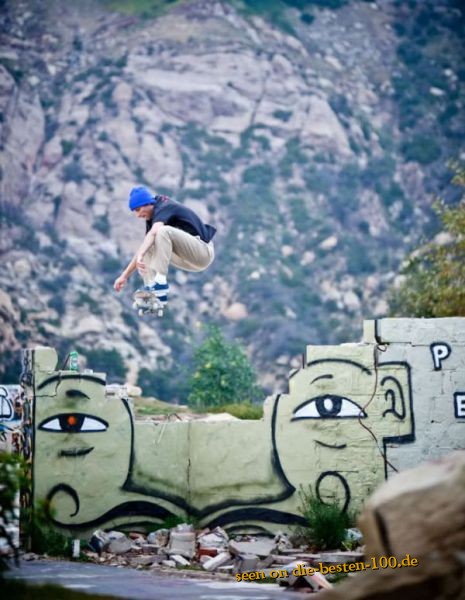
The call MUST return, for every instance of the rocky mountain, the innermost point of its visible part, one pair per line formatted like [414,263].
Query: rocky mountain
[313,134]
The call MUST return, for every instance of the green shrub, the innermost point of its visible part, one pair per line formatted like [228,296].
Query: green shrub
[222,374]
[162,383]
[102,224]
[66,147]
[109,361]
[73,172]
[326,523]
[282,115]
[43,537]
[12,478]
[422,149]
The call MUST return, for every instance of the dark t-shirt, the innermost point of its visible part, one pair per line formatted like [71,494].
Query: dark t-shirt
[174,214]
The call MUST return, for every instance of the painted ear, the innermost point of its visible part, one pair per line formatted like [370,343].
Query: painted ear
[394,385]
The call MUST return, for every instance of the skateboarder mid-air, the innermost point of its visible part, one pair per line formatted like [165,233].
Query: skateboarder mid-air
[174,234]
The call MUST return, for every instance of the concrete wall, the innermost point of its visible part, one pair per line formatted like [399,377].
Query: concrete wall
[11,404]
[352,414]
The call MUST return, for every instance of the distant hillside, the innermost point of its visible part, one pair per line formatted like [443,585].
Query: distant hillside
[312,134]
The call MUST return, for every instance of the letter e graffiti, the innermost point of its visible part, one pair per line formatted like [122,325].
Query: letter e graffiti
[439,351]
[459,405]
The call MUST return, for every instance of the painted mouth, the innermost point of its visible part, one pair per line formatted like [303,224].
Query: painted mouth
[76,451]
[335,446]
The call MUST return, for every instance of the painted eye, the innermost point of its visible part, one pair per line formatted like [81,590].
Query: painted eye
[73,423]
[329,407]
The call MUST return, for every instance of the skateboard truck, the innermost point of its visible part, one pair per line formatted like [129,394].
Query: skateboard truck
[147,303]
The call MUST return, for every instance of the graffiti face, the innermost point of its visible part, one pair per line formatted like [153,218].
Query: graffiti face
[338,410]
[87,435]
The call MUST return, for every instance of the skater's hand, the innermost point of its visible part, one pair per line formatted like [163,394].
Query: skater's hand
[140,264]
[120,282]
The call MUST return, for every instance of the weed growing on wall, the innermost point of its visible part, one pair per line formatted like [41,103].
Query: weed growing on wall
[44,538]
[326,523]
[12,477]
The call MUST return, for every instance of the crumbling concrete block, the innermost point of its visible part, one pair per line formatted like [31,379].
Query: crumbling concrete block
[217,561]
[182,541]
[180,560]
[118,543]
[246,562]
[260,548]
[159,538]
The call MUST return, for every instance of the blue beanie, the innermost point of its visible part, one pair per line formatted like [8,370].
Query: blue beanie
[140,196]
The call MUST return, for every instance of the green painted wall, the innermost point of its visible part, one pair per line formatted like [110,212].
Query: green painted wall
[346,410]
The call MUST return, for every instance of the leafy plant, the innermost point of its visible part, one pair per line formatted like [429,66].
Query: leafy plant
[222,374]
[434,284]
[109,361]
[44,538]
[12,478]
[326,523]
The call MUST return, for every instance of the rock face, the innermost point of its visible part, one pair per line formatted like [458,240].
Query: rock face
[304,138]
[419,513]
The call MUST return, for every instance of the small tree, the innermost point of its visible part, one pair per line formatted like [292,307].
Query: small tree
[434,284]
[222,374]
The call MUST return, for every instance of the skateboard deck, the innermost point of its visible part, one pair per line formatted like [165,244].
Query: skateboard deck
[147,303]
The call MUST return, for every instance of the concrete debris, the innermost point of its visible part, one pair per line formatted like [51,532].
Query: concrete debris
[282,541]
[144,560]
[217,539]
[217,561]
[118,543]
[182,541]
[168,563]
[29,556]
[159,538]
[150,548]
[260,548]
[247,562]
[300,576]
[180,560]
[354,535]
[99,541]
[214,552]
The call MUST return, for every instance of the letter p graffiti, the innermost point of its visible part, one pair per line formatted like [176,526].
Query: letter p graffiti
[439,351]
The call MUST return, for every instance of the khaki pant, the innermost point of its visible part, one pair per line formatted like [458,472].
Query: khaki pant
[179,248]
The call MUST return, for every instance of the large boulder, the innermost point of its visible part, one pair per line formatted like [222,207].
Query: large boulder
[420,513]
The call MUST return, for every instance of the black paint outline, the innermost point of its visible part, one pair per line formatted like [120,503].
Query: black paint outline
[391,394]
[73,414]
[456,413]
[361,414]
[433,345]
[340,360]
[406,438]
[342,479]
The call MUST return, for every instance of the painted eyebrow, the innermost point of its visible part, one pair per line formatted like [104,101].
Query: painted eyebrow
[77,377]
[328,376]
[76,394]
[344,361]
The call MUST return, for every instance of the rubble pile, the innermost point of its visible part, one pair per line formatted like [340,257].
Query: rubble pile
[213,552]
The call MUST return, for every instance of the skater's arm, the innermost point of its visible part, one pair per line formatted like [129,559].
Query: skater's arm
[148,240]
[120,282]
[137,261]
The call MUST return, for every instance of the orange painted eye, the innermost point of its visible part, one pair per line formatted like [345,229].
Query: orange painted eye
[71,420]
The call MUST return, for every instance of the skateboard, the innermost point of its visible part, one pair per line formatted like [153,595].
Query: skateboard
[146,303]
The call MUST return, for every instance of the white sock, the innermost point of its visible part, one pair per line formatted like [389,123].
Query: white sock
[160,279]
